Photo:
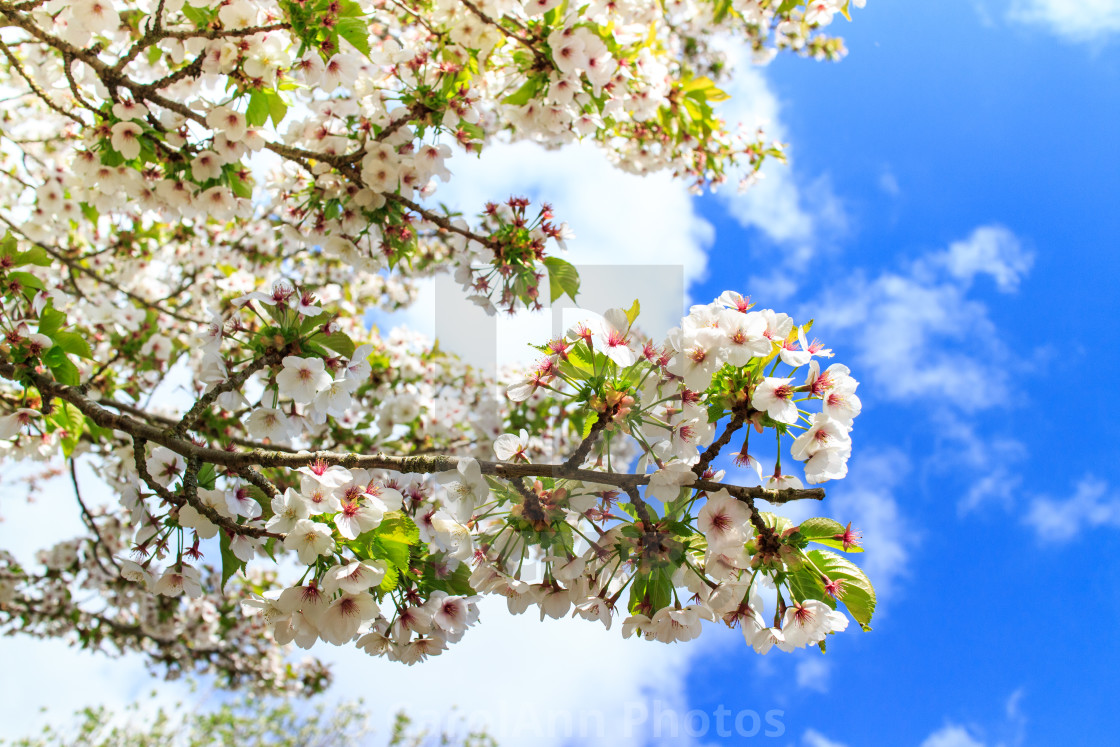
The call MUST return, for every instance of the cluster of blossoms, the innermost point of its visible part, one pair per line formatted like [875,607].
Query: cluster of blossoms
[205,198]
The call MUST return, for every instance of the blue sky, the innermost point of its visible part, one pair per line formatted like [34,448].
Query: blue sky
[945,118]
[949,218]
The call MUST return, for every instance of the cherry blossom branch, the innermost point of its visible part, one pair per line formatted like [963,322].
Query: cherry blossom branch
[171,422]
[190,497]
[88,518]
[113,79]
[739,415]
[78,267]
[531,509]
[402,464]
[35,88]
[640,507]
[233,382]
[260,481]
[577,457]
[543,62]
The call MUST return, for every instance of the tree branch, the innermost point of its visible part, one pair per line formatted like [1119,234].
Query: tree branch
[405,465]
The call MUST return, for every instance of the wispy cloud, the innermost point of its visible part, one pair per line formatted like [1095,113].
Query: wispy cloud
[915,331]
[813,672]
[1073,20]
[867,499]
[990,250]
[1093,504]
[1006,731]
[813,738]
[639,685]
[994,461]
[951,735]
[785,206]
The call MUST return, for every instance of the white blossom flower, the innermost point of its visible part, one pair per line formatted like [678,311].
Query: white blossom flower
[775,397]
[287,509]
[724,521]
[183,579]
[341,620]
[125,139]
[508,447]
[302,378]
[11,425]
[354,577]
[309,539]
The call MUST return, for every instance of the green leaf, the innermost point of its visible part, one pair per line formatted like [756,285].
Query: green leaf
[240,187]
[805,583]
[396,553]
[64,370]
[632,313]
[857,593]
[277,108]
[72,343]
[526,93]
[393,539]
[588,424]
[71,421]
[197,16]
[819,527]
[311,322]
[824,531]
[207,476]
[34,256]
[660,589]
[563,278]
[475,131]
[637,592]
[26,279]
[257,112]
[398,527]
[355,31]
[459,582]
[788,5]
[780,523]
[339,342]
[50,321]
[721,9]
[231,564]
[8,245]
[392,578]
[703,89]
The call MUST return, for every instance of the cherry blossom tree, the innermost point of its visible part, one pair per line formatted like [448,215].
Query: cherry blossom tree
[210,195]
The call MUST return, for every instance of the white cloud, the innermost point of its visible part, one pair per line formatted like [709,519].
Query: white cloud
[1004,732]
[618,218]
[556,682]
[788,211]
[1073,20]
[51,674]
[635,237]
[1093,504]
[888,182]
[918,335]
[990,250]
[813,672]
[867,499]
[994,461]
[813,738]
[951,735]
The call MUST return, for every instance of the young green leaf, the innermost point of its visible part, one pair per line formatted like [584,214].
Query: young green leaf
[563,278]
